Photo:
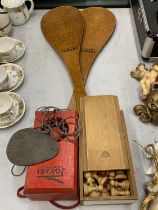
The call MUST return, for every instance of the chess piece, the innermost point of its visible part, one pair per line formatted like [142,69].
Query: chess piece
[112,174]
[108,187]
[105,181]
[88,177]
[105,193]
[100,188]
[88,189]
[101,180]
[124,184]
[93,184]
[94,194]
[120,176]
[120,172]
[102,173]
[98,178]
[116,192]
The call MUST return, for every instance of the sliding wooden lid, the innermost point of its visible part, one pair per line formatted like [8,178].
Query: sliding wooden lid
[102,140]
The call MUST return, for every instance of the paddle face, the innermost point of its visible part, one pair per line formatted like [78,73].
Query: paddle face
[99,26]
[28,147]
[63,29]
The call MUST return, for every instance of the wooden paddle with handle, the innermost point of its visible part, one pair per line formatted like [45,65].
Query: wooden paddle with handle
[99,26]
[63,29]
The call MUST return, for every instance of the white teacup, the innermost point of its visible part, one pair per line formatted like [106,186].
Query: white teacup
[8,47]
[17,10]
[6,104]
[3,78]
[5,23]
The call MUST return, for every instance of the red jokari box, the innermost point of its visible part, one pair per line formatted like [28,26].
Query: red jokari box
[63,170]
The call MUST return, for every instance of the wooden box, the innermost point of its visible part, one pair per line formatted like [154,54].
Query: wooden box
[103,145]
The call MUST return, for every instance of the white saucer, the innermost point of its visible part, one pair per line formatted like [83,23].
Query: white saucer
[17,110]
[15,76]
[20,52]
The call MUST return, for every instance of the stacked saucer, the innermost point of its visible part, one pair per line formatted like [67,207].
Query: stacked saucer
[11,77]
[12,106]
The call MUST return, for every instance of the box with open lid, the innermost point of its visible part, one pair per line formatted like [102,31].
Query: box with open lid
[105,163]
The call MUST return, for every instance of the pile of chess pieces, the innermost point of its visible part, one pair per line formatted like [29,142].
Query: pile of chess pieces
[106,183]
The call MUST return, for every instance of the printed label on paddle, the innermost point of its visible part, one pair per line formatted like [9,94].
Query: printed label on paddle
[51,173]
[69,49]
[86,50]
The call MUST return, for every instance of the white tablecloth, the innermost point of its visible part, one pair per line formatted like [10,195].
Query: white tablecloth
[48,83]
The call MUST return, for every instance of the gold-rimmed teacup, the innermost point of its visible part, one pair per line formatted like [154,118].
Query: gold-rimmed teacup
[8,48]
[3,78]
[6,105]
[5,23]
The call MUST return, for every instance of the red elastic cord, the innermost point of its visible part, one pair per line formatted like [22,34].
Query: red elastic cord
[65,207]
[19,194]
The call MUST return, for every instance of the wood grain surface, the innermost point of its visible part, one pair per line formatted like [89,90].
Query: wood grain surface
[104,143]
[99,24]
[63,29]
[103,140]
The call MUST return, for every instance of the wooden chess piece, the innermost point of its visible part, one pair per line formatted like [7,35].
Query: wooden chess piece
[101,180]
[112,174]
[102,173]
[98,178]
[105,193]
[116,192]
[88,189]
[124,184]
[100,188]
[120,172]
[104,181]
[93,184]
[88,177]
[94,194]
[108,187]
[120,176]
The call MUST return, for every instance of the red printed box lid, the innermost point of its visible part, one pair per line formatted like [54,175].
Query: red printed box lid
[55,178]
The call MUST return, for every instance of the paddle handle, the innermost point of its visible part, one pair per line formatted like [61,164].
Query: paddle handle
[79,91]
[78,83]
[72,104]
